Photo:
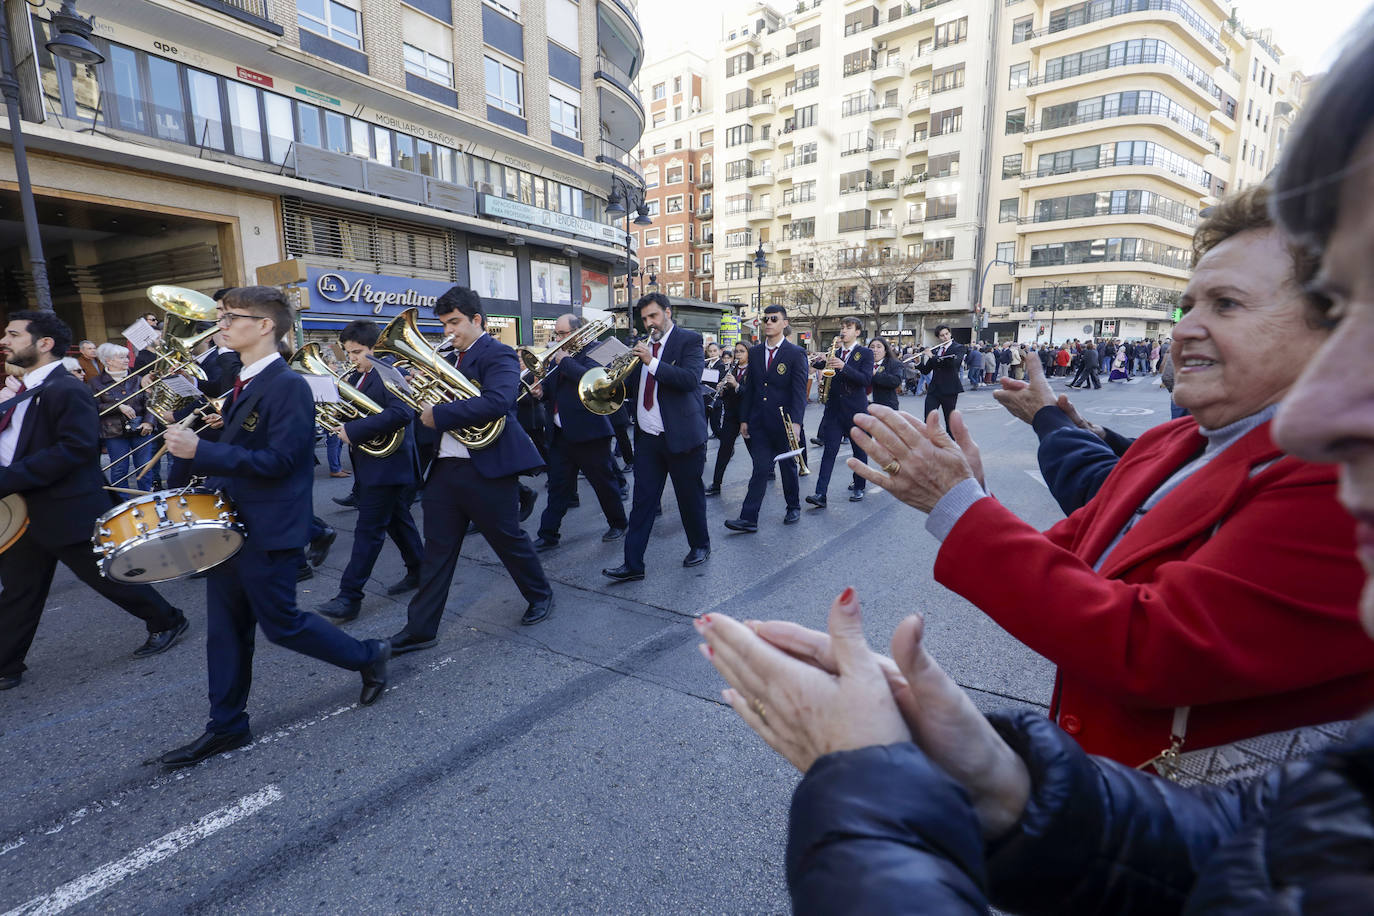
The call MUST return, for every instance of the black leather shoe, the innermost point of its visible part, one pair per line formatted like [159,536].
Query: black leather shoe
[817,501]
[304,572]
[162,640]
[319,548]
[204,747]
[856,496]
[10,681]
[792,517]
[409,584]
[739,524]
[624,493]
[816,441]
[472,526]
[574,502]
[850,488]
[340,609]
[713,490]
[543,543]
[623,573]
[613,534]
[374,675]
[528,497]
[348,502]
[537,611]
[404,642]
[696,556]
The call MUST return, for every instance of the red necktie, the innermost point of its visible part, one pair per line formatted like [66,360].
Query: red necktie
[9,415]
[649,386]
[459,361]
[771,353]
[844,355]
[238,389]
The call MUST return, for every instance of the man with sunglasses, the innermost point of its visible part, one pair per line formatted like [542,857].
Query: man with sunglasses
[776,384]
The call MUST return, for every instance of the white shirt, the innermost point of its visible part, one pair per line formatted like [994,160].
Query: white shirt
[770,353]
[449,446]
[247,373]
[650,419]
[9,439]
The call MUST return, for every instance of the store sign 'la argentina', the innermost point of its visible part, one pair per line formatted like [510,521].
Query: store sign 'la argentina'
[347,291]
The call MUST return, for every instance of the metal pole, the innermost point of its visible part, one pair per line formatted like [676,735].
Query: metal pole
[1054,313]
[9,85]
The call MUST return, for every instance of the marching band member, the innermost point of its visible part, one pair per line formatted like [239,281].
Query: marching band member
[578,440]
[728,409]
[383,485]
[942,363]
[670,435]
[264,461]
[49,452]
[888,374]
[479,486]
[776,383]
[853,368]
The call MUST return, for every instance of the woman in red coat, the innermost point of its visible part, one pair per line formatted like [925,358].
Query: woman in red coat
[1207,592]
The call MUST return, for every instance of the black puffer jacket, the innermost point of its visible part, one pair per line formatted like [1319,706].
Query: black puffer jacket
[883,830]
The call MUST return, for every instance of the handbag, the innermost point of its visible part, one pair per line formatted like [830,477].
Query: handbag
[1244,759]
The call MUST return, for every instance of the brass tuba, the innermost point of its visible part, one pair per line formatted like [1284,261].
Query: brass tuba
[432,380]
[538,363]
[602,389]
[352,403]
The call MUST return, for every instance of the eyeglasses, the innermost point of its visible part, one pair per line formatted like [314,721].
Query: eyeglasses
[228,318]
[772,318]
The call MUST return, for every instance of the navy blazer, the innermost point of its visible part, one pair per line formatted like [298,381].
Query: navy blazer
[401,467]
[944,371]
[681,361]
[495,367]
[220,372]
[849,386]
[265,458]
[560,388]
[768,388]
[887,382]
[56,464]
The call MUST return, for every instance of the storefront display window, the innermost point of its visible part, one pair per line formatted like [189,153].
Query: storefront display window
[493,275]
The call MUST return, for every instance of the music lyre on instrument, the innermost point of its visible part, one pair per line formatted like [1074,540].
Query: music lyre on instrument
[537,362]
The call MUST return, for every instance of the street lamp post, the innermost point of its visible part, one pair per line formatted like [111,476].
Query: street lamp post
[72,42]
[1011,270]
[627,198]
[760,265]
[1054,309]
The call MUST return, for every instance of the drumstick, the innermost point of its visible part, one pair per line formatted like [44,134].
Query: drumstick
[124,490]
[152,462]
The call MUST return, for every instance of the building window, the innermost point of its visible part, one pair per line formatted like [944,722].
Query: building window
[806,154]
[1011,165]
[1001,295]
[562,19]
[1021,29]
[503,87]
[427,66]
[938,250]
[1018,76]
[652,207]
[942,207]
[951,33]
[1016,121]
[674,234]
[650,237]
[660,91]
[675,204]
[947,122]
[564,117]
[940,291]
[674,175]
[737,136]
[331,19]
[674,263]
[1007,210]
[1006,251]
[805,117]
[945,165]
[947,78]
[660,118]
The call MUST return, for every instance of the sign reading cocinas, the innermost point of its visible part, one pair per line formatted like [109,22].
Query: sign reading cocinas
[336,288]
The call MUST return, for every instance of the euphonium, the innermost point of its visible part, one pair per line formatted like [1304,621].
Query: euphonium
[538,362]
[432,380]
[189,306]
[602,389]
[351,405]
[823,394]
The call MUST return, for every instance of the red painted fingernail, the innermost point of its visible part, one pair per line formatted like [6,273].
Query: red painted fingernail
[847,595]
[706,619]
[710,652]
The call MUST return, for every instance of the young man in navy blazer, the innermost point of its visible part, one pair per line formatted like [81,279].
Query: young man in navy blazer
[848,396]
[670,435]
[942,362]
[264,461]
[776,383]
[481,486]
[578,440]
[383,486]
[50,454]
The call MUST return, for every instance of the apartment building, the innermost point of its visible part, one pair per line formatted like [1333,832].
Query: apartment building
[1116,122]
[847,133]
[367,155]
[676,153]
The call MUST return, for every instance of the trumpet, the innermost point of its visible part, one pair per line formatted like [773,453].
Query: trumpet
[539,363]
[793,445]
[828,375]
[351,405]
[602,389]
[433,381]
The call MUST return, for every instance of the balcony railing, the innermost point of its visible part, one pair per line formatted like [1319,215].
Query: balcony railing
[1170,58]
[1107,9]
[610,153]
[1152,110]
[1173,212]
[1177,263]
[1141,162]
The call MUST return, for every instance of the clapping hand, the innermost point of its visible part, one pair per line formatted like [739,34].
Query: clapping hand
[917,462]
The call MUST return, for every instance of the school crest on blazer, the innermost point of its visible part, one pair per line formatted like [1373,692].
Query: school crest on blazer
[782,368]
[250,422]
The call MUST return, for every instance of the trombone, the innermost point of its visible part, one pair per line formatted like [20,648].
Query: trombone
[538,363]
[190,307]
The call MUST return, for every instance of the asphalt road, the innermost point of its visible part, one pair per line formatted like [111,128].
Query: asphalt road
[585,765]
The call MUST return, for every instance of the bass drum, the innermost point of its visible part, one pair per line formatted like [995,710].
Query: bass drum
[14,520]
[165,535]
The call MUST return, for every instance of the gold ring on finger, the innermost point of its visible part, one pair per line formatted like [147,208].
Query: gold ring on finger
[892,467]
[757,706]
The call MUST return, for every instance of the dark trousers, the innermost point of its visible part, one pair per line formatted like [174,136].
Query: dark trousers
[943,402]
[26,571]
[258,588]
[593,459]
[382,511]
[622,441]
[728,435]
[456,494]
[830,433]
[714,411]
[654,465]
[766,440]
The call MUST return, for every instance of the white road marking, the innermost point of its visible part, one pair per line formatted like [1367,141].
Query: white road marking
[1011,421]
[1037,477]
[111,873]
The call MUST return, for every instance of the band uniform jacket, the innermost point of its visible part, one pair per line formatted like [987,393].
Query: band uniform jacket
[560,390]
[730,398]
[849,387]
[401,467]
[944,369]
[264,459]
[495,367]
[766,388]
[677,386]
[56,464]
[887,382]
[1236,596]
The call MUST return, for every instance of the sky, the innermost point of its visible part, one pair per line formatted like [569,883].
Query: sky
[1310,30]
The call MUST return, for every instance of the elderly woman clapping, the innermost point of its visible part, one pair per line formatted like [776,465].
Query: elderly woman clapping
[125,424]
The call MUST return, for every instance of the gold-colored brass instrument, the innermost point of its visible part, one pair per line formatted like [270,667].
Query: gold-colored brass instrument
[828,375]
[352,403]
[432,380]
[793,445]
[189,307]
[538,363]
[602,388]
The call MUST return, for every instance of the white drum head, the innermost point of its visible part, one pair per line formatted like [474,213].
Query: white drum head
[171,555]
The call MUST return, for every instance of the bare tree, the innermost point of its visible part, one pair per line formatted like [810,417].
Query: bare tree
[810,285]
[883,279]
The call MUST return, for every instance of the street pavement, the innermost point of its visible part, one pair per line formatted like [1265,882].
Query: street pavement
[586,764]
